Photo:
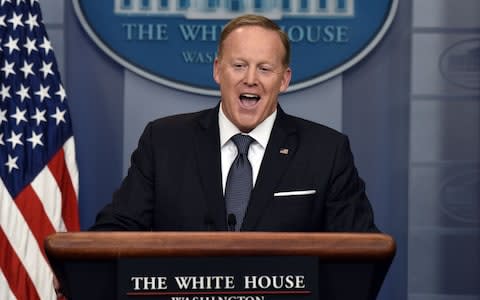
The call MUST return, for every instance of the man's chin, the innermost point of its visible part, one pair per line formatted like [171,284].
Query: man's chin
[246,126]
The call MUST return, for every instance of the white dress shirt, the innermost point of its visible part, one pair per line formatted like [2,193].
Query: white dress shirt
[228,150]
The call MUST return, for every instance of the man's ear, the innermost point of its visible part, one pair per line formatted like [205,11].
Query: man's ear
[286,77]
[216,70]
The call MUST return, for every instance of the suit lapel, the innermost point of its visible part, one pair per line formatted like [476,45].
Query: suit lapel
[281,146]
[207,145]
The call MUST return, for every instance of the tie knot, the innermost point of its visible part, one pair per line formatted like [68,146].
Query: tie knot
[242,142]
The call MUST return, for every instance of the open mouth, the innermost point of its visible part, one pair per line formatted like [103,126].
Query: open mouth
[249,100]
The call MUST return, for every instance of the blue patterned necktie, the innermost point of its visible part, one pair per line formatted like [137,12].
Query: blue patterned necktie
[239,181]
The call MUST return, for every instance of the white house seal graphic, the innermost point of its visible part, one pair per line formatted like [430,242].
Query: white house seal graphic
[173,41]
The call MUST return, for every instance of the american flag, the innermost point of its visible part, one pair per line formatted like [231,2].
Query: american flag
[39,177]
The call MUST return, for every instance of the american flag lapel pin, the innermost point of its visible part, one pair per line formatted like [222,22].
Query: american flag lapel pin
[284,151]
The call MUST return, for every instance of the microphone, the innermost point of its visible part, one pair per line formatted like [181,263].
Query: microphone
[231,222]
[209,223]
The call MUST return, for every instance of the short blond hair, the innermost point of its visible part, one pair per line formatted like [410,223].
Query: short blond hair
[255,20]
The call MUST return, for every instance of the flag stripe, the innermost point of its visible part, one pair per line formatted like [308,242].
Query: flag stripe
[69,149]
[61,175]
[28,251]
[5,291]
[13,269]
[71,216]
[34,213]
[50,195]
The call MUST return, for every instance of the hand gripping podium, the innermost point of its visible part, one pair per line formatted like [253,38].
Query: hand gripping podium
[220,265]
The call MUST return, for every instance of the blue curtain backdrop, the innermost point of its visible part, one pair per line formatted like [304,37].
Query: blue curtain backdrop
[413,123]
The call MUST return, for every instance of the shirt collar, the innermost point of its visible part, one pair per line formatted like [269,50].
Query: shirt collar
[261,133]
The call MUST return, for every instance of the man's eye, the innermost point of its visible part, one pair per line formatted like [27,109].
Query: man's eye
[239,66]
[265,69]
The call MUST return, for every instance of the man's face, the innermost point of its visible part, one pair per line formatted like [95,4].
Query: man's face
[251,74]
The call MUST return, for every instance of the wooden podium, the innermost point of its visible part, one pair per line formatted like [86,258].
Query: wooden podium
[350,265]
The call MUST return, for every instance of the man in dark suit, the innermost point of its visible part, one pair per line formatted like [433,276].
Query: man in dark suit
[303,175]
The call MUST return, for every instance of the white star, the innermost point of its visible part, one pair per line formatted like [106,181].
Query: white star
[15,139]
[16,20]
[1,139]
[11,163]
[43,92]
[19,115]
[46,45]
[23,92]
[3,116]
[32,21]
[30,45]
[59,116]
[11,45]
[3,1]
[27,69]
[61,92]
[5,92]
[46,69]
[39,116]
[2,21]
[35,139]
[8,68]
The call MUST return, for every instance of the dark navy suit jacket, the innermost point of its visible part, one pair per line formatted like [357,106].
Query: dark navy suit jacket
[175,181]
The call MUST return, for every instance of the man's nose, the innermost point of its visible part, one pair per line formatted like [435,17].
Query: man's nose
[251,76]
